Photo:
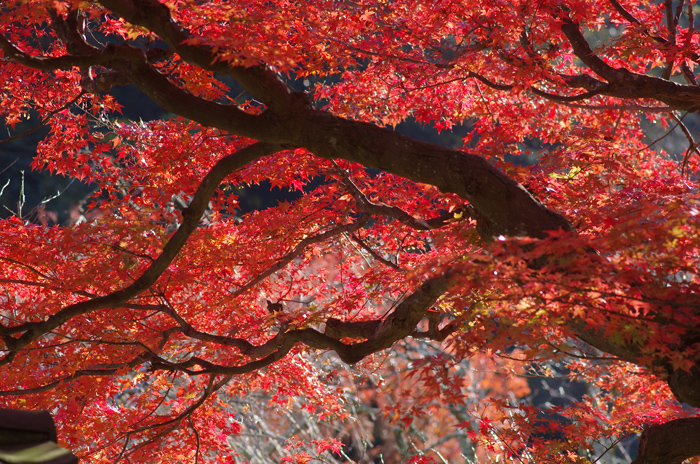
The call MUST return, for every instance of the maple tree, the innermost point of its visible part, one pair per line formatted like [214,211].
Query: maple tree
[140,323]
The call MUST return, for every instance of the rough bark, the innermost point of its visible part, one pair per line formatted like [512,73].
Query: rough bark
[504,207]
[669,443]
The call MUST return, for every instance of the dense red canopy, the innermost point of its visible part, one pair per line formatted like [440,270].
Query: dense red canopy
[144,322]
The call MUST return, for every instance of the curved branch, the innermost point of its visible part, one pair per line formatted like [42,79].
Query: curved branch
[191,215]
[692,143]
[140,72]
[170,424]
[379,335]
[563,98]
[630,107]
[268,353]
[364,204]
[46,118]
[489,83]
[401,323]
[628,84]
[108,371]
[133,66]
[504,207]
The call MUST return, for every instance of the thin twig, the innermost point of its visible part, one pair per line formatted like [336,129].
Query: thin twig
[374,254]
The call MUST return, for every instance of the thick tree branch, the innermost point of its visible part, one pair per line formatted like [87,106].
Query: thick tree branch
[379,335]
[351,329]
[401,323]
[172,98]
[504,207]
[434,331]
[670,443]
[681,97]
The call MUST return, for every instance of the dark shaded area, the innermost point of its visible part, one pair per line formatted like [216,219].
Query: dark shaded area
[37,195]
[453,138]
[135,104]
[25,192]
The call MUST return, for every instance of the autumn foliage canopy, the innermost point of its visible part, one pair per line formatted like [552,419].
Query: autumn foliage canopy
[153,324]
